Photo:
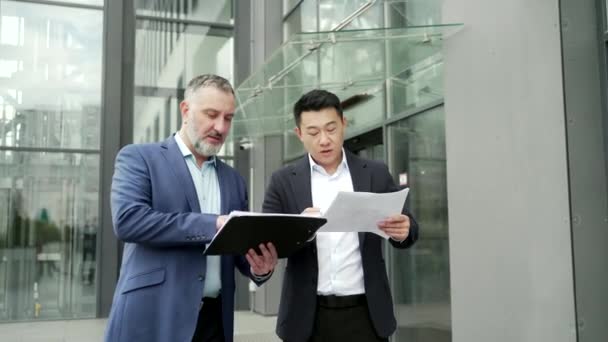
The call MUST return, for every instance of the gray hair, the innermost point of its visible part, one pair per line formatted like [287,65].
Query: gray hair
[208,80]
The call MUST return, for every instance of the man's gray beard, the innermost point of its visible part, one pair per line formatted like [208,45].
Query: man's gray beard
[202,147]
[207,150]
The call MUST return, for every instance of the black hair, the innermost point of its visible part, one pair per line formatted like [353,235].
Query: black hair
[316,100]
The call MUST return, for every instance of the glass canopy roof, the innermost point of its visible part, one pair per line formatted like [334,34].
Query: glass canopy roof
[356,65]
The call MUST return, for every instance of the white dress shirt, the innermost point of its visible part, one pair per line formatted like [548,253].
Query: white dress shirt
[338,254]
[208,192]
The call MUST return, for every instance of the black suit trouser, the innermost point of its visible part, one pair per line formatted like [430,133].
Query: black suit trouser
[343,318]
[209,327]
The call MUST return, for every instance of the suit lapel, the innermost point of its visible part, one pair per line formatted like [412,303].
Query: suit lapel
[361,178]
[224,186]
[300,184]
[177,163]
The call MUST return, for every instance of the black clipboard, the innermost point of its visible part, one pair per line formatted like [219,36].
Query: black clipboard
[241,232]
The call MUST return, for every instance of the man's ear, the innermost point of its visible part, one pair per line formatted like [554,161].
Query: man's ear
[298,132]
[183,108]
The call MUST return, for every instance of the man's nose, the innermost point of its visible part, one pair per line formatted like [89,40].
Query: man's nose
[221,126]
[324,139]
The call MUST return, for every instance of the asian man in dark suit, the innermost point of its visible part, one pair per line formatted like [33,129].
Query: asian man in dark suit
[336,288]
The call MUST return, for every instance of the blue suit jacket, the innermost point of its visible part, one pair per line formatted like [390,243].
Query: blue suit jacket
[155,211]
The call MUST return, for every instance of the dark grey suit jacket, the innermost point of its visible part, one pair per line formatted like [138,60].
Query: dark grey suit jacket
[289,192]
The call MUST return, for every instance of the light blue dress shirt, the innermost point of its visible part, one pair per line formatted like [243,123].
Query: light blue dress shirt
[209,198]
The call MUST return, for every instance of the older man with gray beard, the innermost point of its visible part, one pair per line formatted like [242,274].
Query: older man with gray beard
[168,201]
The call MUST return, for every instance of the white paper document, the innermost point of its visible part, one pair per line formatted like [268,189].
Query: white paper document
[361,211]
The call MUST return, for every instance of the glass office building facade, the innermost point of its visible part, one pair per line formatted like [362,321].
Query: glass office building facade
[81,78]
[50,114]
[51,123]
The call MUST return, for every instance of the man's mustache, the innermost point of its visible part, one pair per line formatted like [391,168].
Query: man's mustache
[215,134]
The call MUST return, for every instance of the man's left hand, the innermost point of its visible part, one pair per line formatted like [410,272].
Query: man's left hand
[262,264]
[396,226]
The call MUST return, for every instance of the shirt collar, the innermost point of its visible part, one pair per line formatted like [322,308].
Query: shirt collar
[314,166]
[186,151]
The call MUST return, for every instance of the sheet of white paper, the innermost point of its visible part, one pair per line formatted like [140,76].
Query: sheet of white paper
[361,211]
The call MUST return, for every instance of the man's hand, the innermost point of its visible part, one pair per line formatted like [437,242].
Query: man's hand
[221,220]
[314,212]
[262,264]
[396,226]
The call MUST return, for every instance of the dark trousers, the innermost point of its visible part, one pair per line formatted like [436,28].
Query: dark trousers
[343,318]
[209,327]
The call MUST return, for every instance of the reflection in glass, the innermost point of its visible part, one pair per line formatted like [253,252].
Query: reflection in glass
[50,100]
[50,72]
[420,276]
[332,13]
[414,12]
[48,226]
[288,5]
[218,11]
[167,56]
[302,19]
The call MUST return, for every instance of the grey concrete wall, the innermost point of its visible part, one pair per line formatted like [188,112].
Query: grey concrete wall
[510,245]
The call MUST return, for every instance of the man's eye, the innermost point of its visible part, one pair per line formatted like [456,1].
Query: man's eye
[313,133]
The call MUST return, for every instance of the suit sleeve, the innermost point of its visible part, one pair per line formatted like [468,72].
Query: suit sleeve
[134,219]
[413,235]
[272,199]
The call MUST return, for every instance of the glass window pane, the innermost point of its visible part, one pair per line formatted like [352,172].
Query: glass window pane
[81,2]
[167,57]
[420,276]
[415,12]
[289,4]
[332,13]
[166,54]
[48,227]
[417,75]
[302,19]
[50,76]
[218,11]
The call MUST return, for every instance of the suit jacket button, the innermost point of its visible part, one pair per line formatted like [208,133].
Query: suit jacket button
[200,277]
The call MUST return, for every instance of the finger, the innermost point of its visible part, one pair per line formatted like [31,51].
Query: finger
[273,252]
[396,218]
[267,257]
[401,234]
[401,225]
[395,230]
[255,258]
[250,261]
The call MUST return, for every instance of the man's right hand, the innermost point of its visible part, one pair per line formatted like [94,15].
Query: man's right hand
[221,220]
[314,212]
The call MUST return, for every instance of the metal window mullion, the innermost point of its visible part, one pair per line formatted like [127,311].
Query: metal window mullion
[214,25]
[49,149]
[62,4]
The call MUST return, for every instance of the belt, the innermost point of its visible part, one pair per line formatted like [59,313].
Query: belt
[336,302]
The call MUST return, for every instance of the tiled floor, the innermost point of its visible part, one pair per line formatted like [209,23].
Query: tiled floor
[249,327]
